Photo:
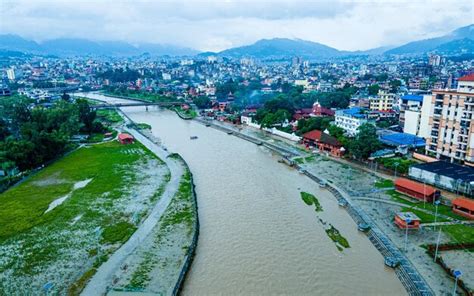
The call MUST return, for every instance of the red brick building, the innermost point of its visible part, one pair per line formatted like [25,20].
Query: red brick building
[464,207]
[318,110]
[324,142]
[417,190]
[402,218]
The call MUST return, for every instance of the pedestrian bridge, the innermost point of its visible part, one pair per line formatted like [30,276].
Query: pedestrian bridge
[137,104]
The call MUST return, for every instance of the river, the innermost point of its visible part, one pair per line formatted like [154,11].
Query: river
[257,236]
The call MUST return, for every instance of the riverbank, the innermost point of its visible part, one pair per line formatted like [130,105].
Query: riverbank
[59,225]
[157,256]
[380,203]
[158,265]
[269,240]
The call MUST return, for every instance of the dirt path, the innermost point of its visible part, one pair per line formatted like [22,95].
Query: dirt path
[104,276]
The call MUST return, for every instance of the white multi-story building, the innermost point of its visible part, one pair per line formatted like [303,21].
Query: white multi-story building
[416,118]
[383,102]
[451,123]
[350,120]
[14,74]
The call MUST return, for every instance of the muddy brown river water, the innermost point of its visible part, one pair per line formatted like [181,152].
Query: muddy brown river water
[257,236]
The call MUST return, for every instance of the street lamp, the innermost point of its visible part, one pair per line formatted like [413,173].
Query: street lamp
[436,209]
[396,166]
[407,222]
[437,244]
[457,273]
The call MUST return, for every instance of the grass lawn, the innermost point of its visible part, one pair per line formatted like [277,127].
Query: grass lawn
[384,183]
[425,217]
[442,209]
[109,115]
[460,233]
[61,245]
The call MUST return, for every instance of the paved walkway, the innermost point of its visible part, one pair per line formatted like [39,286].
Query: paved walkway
[104,276]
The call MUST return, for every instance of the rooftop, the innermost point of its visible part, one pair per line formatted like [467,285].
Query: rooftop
[451,170]
[416,98]
[400,139]
[469,77]
[408,215]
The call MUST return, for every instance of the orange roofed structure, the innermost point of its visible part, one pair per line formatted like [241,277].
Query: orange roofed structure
[464,207]
[125,138]
[417,190]
[407,220]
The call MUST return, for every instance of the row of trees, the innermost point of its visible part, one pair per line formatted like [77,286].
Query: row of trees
[31,136]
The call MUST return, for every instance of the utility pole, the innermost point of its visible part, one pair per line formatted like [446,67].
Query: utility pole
[437,244]
[407,222]
[457,273]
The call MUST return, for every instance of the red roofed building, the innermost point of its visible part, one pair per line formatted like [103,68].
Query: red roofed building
[318,110]
[407,220]
[469,77]
[417,190]
[125,138]
[464,207]
[324,142]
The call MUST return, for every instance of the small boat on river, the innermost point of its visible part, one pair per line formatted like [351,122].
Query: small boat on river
[193,138]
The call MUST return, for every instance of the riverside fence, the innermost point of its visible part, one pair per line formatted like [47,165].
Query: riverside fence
[411,279]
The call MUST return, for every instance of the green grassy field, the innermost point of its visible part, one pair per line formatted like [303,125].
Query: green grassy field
[109,115]
[32,241]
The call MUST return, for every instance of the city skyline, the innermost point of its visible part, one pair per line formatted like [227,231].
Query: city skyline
[211,26]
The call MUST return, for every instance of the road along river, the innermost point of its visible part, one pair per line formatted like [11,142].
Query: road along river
[257,236]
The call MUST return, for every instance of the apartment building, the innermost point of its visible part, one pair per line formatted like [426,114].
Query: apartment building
[383,102]
[451,123]
[416,110]
[350,120]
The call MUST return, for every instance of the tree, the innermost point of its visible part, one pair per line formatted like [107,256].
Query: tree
[65,97]
[86,115]
[277,118]
[394,85]
[202,102]
[373,89]
[365,143]
[319,123]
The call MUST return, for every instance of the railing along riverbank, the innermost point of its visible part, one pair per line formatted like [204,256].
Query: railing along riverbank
[192,248]
[278,149]
[411,279]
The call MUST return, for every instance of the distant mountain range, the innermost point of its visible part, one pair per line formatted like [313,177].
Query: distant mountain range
[71,46]
[457,42]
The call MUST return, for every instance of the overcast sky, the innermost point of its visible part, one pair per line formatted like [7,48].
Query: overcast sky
[217,25]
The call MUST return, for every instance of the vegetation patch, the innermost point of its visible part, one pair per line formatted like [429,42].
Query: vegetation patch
[384,183]
[63,245]
[460,234]
[109,115]
[310,199]
[143,126]
[340,241]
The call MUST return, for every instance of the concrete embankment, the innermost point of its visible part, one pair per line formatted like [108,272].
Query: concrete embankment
[278,149]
